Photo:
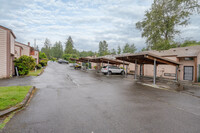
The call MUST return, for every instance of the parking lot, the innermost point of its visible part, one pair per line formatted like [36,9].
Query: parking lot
[75,101]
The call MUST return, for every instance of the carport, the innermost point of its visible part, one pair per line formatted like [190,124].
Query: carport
[142,58]
[109,61]
[82,59]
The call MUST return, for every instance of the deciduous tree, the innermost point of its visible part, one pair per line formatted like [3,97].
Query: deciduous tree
[160,21]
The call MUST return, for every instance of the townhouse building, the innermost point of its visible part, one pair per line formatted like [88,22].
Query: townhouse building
[7,46]
[10,50]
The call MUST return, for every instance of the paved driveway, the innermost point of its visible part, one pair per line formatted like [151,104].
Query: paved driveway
[73,101]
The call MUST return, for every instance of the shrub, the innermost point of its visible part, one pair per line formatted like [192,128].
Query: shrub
[43,62]
[38,66]
[121,67]
[25,64]
[95,67]
[42,55]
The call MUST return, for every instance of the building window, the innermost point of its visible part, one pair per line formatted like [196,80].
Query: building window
[188,58]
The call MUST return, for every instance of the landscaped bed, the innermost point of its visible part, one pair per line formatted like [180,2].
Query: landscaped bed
[12,95]
[35,73]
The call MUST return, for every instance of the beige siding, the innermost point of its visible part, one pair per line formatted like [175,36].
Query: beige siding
[17,52]
[3,53]
[26,49]
[36,56]
[12,44]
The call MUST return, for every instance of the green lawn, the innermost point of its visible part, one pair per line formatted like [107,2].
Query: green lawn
[35,73]
[12,95]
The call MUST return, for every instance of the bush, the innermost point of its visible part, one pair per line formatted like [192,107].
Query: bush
[43,62]
[38,66]
[25,64]
[95,67]
[42,55]
[121,67]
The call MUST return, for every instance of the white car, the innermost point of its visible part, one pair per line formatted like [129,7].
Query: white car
[112,70]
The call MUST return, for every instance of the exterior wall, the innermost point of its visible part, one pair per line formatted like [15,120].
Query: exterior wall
[18,51]
[12,44]
[3,54]
[36,56]
[198,67]
[168,71]
[12,53]
[26,48]
[181,67]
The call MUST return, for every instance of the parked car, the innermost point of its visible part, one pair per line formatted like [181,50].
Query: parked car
[63,61]
[112,70]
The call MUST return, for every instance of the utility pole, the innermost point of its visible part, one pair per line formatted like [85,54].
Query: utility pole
[34,43]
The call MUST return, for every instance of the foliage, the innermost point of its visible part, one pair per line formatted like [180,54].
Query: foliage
[103,48]
[25,64]
[190,43]
[53,59]
[67,57]
[129,48]
[38,66]
[86,53]
[121,67]
[57,50]
[47,48]
[113,52]
[43,62]
[95,67]
[42,55]
[119,50]
[160,22]
[69,46]
[12,95]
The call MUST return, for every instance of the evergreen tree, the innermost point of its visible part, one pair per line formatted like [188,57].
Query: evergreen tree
[103,48]
[47,48]
[129,48]
[57,50]
[119,50]
[69,46]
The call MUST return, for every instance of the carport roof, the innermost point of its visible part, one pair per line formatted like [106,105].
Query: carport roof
[146,58]
[82,59]
[106,60]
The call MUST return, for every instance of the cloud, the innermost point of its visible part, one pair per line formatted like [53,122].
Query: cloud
[88,22]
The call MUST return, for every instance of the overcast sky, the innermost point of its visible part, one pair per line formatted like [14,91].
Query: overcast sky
[86,21]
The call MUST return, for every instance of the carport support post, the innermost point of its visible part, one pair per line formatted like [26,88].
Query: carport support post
[108,68]
[177,73]
[154,75]
[88,63]
[126,70]
[123,64]
[135,69]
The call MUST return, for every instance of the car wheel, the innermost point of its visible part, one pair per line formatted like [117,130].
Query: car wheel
[109,73]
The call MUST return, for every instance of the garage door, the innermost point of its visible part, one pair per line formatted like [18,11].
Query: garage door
[188,73]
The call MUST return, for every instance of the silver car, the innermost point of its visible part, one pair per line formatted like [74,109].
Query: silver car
[112,70]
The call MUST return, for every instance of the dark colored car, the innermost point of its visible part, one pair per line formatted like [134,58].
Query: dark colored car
[63,62]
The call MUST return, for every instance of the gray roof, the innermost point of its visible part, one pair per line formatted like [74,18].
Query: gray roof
[190,51]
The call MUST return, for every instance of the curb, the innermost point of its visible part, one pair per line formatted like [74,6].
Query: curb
[22,104]
[41,72]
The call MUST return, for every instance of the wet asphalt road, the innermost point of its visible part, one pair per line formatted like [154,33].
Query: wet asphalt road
[73,101]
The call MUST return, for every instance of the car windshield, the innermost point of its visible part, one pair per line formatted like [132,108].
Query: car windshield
[104,66]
